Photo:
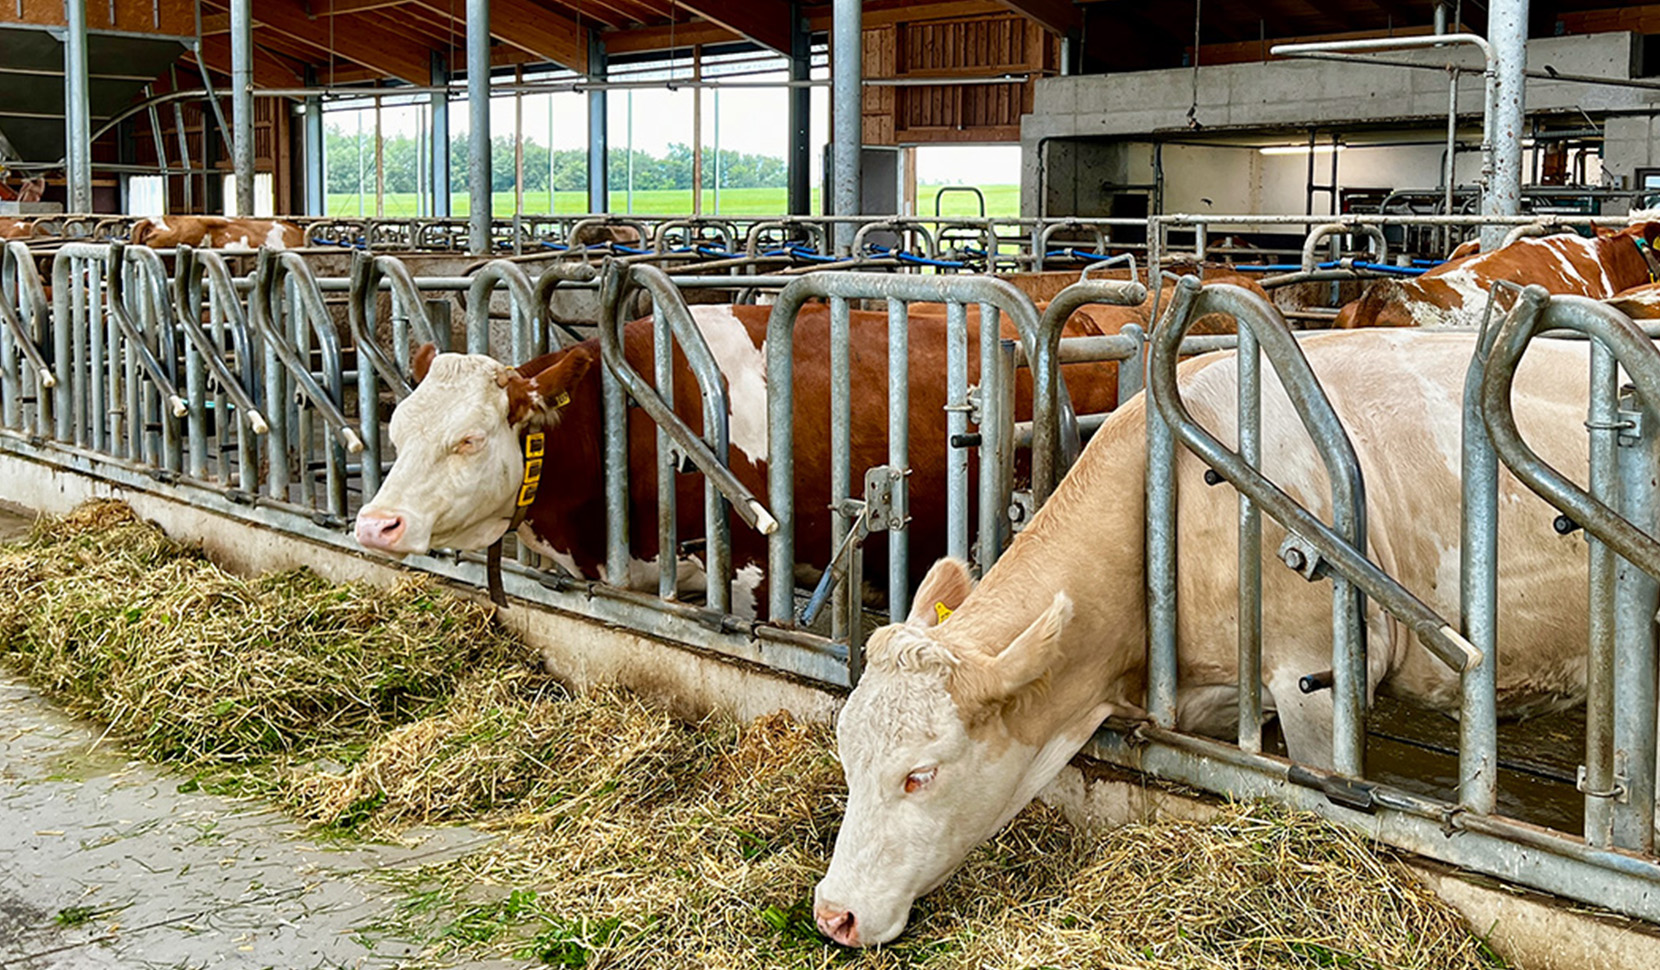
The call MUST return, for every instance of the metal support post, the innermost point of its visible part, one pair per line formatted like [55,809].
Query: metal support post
[438,155]
[242,103]
[1636,598]
[1507,34]
[599,194]
[478,132]
[316,190]
[801,112]
[846,111]
[77,132]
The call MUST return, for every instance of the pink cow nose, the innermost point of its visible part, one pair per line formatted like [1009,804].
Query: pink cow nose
[378,530]
[838,924]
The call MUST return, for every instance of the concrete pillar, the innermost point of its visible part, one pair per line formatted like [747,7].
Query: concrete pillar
[799,166]
[1507,33]
[438,154]
[846,110]
[77,131]
[242,103]
[599,195]
[478,135]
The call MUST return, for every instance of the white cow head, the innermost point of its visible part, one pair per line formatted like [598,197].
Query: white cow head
[932,767]
[459,463]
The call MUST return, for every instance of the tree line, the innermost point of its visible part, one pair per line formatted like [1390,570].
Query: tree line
[344,154]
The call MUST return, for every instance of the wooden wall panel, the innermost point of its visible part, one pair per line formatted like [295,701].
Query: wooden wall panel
[953,47]
[174,18]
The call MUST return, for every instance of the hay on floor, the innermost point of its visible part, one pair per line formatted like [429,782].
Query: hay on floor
[629,838]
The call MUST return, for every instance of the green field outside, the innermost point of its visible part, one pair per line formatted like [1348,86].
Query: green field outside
[1001,200]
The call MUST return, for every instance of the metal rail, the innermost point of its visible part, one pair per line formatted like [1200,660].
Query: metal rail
[672,319]
[1618,776]
[1342,545]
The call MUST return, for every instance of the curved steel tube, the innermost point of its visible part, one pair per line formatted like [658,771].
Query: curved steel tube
[708,455]
[529,337]
[903,227]
[1380,245]
[816,234]
[22,286]
[1046,361]
[187,298]
[1635,352]
[552,275]
[1322,423]
[114,282]
[366,274]
[1048,393]
[272,269]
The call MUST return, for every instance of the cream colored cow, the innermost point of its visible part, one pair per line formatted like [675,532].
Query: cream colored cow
[955,726]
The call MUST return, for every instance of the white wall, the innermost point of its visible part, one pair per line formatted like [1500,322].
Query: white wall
[1243,181]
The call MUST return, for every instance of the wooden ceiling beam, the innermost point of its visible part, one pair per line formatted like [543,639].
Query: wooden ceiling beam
[352,39]
[270,70]
[766,22]
[533,29]
[637,40]
[614,14]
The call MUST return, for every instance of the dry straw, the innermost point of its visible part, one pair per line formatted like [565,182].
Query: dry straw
[628,838]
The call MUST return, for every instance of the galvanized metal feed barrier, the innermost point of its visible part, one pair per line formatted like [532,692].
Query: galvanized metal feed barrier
[1612,865]
[166,382]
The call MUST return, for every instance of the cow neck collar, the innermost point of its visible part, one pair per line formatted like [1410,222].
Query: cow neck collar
[532,448]
[1651,261]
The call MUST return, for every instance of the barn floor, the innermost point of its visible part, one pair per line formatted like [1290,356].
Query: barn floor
[106,862]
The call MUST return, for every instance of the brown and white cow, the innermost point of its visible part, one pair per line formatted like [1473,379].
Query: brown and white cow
[459,468]
[216,232]
[956,725]
[1455,294]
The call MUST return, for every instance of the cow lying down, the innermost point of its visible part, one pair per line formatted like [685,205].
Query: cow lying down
[956,725]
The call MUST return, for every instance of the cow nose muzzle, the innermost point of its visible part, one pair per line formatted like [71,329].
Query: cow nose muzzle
[379,530]
[838,924]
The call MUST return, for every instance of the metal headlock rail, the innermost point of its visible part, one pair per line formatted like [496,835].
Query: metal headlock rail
[886,501]
[672,324]
[1618,513]
[25,321]
[199,275]
[1467,833]
[164,382]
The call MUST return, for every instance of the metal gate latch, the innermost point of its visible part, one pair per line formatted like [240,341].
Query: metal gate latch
[1618,793]
[1301,556]
[885,506]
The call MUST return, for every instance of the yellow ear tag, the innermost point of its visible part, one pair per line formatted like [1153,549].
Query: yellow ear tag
[942,612]
[562,400]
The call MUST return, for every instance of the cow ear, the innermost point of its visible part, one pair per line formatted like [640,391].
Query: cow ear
[1031,656]
[945,587]
[141,230]
[549,389]
[421,362]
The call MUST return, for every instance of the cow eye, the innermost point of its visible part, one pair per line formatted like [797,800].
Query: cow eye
[469,444]
[919,779]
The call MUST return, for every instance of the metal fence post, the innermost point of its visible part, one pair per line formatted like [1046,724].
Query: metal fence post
[1636,598]
[1250,546]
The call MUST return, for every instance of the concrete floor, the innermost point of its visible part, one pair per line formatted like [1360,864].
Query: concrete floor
[105,863]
